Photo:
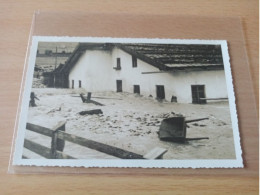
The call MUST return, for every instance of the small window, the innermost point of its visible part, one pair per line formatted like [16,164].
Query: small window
[72,84]
[137,89]
[134,62]
[198,94]
[118,63]
[79,83]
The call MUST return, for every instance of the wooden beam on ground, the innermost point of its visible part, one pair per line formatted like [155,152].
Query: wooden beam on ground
[107,149]
[213,98]
[155,153]
[155,72]
[98,97]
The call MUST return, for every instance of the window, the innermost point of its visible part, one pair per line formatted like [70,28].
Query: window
[134,62]
[198,94]
[72,84]
[118,63]
[137,89]
[79,83]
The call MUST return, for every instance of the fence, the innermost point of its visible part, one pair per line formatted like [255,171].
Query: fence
[59,136]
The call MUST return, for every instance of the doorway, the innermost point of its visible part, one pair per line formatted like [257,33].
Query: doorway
[160,94]
[198,92]
[119,86]
[137,89]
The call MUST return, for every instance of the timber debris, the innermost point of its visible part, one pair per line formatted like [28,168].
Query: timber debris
[174,129]
[91,112]
[88,99]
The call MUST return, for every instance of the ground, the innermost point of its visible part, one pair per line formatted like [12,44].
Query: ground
[131,122]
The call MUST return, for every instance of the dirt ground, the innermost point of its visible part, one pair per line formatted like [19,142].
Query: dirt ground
[131,122]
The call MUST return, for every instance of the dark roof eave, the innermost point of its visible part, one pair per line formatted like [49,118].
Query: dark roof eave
[197,68]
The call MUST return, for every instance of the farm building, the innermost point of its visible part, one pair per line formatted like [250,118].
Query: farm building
[174,72]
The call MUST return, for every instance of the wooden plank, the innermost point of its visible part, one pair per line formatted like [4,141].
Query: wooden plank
[155,153]
[154,72]
[195,120]
[60,125]
[214,98]
[37,148]
[110,150]
[39,129]
[43,151]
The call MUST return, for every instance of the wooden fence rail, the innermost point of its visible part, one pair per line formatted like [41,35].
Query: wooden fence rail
[58,138]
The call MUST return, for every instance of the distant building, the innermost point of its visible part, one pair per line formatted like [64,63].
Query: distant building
[182,73]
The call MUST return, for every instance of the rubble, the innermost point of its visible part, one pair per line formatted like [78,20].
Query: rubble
[91,112]
[102,128]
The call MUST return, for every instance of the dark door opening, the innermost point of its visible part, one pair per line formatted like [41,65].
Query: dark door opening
[137,89]
[198,92]
[160,94]
[72,84]
[119,86]
[79,83]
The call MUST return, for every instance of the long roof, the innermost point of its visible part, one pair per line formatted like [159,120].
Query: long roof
[165,57]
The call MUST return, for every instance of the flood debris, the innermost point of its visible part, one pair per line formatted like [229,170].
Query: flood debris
[57,109]
[32,101]
[88,99]
[174,129]
[91,112]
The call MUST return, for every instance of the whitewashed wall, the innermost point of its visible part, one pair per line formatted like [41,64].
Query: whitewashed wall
[95,70]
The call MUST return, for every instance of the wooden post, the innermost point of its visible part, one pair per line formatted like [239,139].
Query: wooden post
[57,144]
[53,145]
[89,96]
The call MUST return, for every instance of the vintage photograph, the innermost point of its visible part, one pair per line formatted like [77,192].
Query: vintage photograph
[128,99]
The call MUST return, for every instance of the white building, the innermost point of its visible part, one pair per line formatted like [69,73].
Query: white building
[182,73]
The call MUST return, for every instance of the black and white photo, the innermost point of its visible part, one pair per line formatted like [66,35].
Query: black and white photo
[126,102]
